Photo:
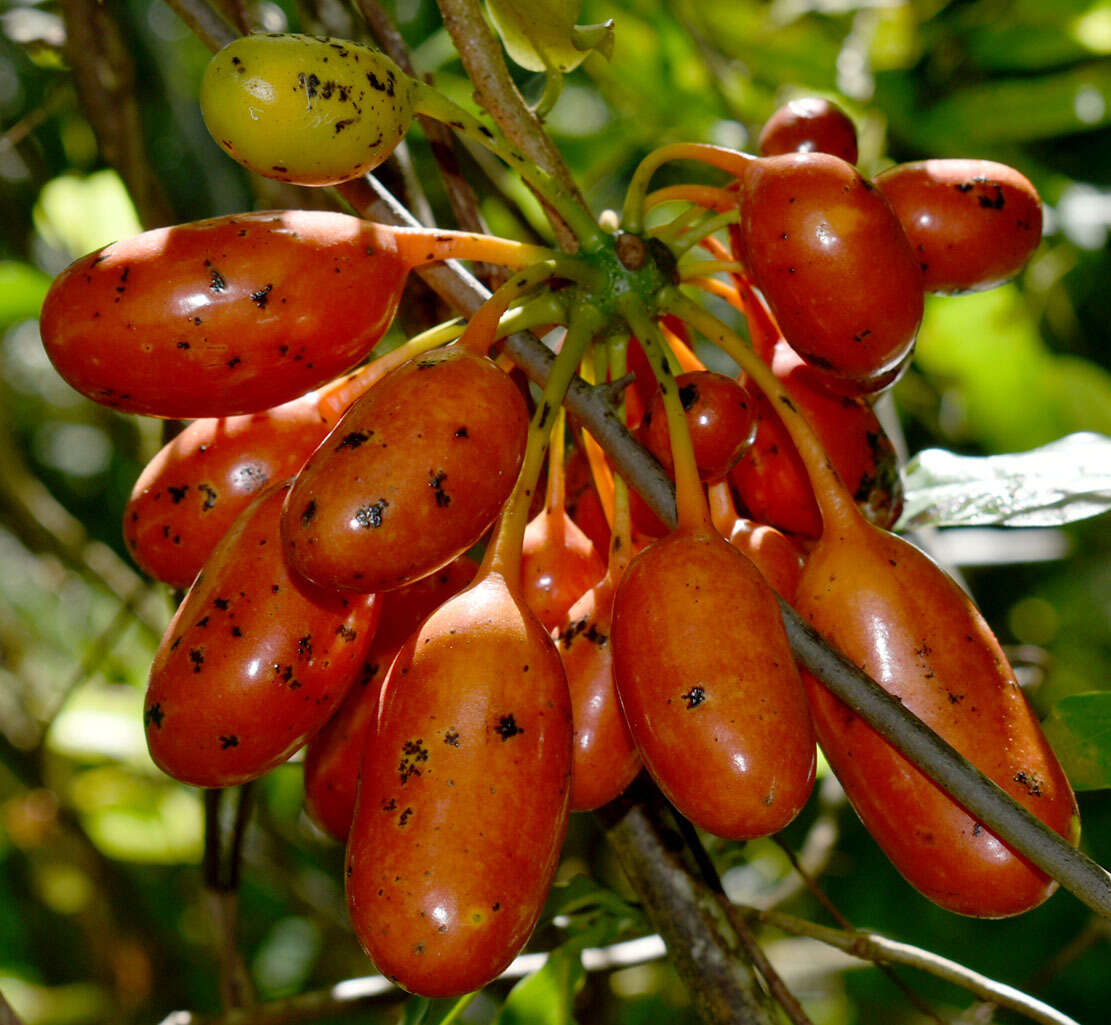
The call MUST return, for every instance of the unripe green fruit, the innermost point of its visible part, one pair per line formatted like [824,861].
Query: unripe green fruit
[305,109]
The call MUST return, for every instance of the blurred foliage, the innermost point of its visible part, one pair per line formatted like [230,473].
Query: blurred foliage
[102,914]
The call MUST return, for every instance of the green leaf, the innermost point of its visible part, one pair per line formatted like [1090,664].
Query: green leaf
[541,35]
[1062,482]
[986,352]
[79,215]
[580,894]
[22,290]
[546,997]
[1016,110]
[1079,729]
[416,1010]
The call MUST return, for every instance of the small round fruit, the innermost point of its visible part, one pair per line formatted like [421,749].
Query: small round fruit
[720,417]
[809,125]
[305,109]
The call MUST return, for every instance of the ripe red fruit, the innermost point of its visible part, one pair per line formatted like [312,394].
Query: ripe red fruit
[333,755]
[191,492]
[771,478]
[223,316]
[720,419]
[605,758]
[709,686]
[809,124]
[254,661]
[411,477]
[908,625]
[972,224]
[830,256]
[463,800]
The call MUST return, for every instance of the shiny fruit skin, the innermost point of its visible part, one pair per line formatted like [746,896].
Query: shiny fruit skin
[720,419]
[304,109]
[824,247]
[411,477]
[253,662]
[558,565]
[709,686]
[463,800]
[778,558]
[771,479]
[224,316]
[908,625]
[332,756]
[605,758]
[972,224]
[809,124]
[192,491]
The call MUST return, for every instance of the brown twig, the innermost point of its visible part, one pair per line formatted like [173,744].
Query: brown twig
[100,60]
[464,203]
[482,58]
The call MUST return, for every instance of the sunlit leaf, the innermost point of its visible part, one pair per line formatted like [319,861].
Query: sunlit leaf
[985,352]
[542,34]
[1017,110]
[22,290]
[1064,481]
[546,997]
[1079,728]
[79,215]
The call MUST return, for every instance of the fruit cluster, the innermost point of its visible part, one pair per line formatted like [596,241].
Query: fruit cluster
[321,506]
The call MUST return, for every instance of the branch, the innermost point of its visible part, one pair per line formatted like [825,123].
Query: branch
[708,952]
[100,59]
[870,946]
[484,64]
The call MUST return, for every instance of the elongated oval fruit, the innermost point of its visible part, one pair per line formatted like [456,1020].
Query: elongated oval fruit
[973,224]
[463,800]
[224,316]
[304,109]
[709,686]
[908,625]
[253,662]
[606,760]
[411,477]
[192,491]
[830,256]
[333,755]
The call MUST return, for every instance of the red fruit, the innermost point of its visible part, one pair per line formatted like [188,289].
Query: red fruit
[709,686]
[411,477]
[191,492]
[463,800]
[720,419]
[809,125]
[558,565]
[224,316]
[333,755]
[605,758]
[830,256]
[771,479]
[972,224]
[909,626]
[778,558]
[255,660]
[583,504]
